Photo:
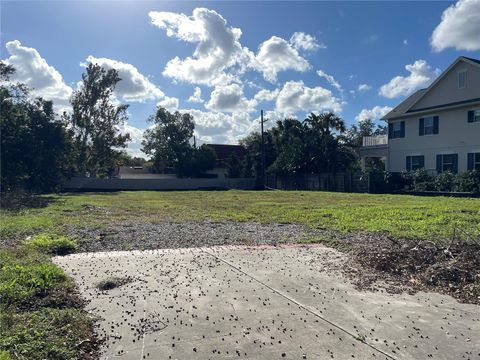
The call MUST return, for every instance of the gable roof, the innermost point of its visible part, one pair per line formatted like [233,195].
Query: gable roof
[224,151]
[409,102]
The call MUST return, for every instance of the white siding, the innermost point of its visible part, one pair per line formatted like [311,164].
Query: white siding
[456,135]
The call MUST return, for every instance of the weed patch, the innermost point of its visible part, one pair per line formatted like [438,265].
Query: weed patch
[52,244]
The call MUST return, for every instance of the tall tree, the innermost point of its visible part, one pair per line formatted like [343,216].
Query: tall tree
[168,141]
[35,146]
[96,121]
[325,151]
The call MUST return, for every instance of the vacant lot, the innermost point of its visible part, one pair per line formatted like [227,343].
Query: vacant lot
[431,218]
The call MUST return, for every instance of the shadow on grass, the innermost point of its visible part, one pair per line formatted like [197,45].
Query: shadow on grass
[19,200]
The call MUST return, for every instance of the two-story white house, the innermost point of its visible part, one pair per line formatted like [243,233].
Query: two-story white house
[437,128]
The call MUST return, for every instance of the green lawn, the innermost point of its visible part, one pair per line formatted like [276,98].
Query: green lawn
[398,215]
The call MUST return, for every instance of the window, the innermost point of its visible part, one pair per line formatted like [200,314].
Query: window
[473,161]
[396,130]
[428,125]
[474,116]
[447,162]
[415,162]
[462,79]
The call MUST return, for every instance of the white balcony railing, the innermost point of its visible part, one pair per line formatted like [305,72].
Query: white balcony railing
[379,140]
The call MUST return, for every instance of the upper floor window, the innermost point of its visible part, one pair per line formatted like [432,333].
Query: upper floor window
[396,130]
[428,125]
[462,79]
[474,116]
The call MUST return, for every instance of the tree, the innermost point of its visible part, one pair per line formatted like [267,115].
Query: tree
[35,146]
[168,142]
[234,166]
[253,159]
[95,121]
[197,162]
[289,141]
[324,150]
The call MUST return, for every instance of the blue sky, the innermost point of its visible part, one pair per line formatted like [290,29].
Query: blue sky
[288,58]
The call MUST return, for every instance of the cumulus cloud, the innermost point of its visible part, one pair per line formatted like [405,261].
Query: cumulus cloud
[196,96]
[330,79]
[169,103]
[230,98]
[364,87]
[302,41]
[134,87]
[375,113]
[295,96]
[277,54]
[218,46]
[218,127]
[266,95]
[459,27]
[421,75]
[136,137]
[34,71]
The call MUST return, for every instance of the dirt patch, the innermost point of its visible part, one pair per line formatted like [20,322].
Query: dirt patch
[113,282]
[452,269]
[173,235]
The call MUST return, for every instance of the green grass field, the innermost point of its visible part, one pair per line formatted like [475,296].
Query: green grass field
[398,215]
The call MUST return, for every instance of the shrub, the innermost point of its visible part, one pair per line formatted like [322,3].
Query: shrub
[469,181]
[52,244]
[4,355]
[422,181]
[446,181]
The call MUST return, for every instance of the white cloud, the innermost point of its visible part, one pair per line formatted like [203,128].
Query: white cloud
[230,98]
[275,55]
[421,75]
[133,87]
[302,41]
[218,46]
[331,80]
[34,71]
[295,96]
[266,95]
[217,127]
[375,113]
[364,87]
[196,96]
[169,103]
[136,137]
[459,27]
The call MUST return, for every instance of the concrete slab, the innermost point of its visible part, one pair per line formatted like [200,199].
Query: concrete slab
[262,303]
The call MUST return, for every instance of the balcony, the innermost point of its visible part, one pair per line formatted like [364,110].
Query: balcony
[380,140]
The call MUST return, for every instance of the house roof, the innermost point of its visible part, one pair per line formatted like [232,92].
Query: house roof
[224,151]
[409,102]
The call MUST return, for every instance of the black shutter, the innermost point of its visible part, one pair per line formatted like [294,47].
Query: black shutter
[455,163]
[421,126]
[422,161]
[471,116]
[409,163]
[439,164]
[402,129]
[435,124]
[470,161]
[390,131]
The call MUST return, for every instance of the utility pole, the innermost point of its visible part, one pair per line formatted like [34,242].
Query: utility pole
[263,148]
